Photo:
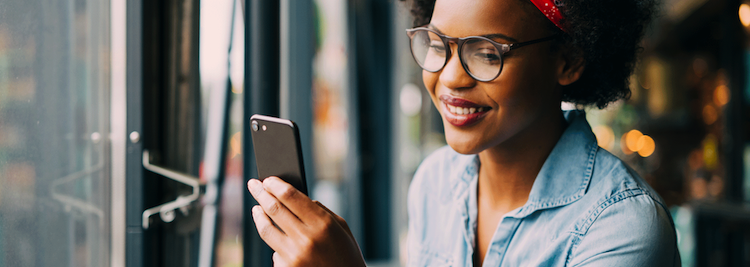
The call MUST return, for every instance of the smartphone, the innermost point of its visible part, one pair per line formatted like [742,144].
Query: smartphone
[278,151]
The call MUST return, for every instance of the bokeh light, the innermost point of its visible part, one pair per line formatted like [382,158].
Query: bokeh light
[631,139]
[721,95]
[745,15]
[710,152]
[646,145]
[710,115]
[624,146]
[635,141]
[235,144]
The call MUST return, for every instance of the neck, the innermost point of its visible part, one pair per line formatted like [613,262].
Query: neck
[508,170]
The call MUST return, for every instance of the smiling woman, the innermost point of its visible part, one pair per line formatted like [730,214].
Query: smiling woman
[522,183]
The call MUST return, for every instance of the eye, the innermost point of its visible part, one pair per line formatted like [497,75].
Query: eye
[486,56]
[437,47]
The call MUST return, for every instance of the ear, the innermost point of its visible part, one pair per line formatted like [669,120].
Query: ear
[570,67]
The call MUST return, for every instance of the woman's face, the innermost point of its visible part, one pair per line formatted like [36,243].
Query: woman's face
[524,94]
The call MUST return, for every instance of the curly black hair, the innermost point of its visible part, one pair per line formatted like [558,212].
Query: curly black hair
[606,33]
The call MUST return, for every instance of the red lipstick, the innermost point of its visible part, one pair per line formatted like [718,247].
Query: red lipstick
[461,112]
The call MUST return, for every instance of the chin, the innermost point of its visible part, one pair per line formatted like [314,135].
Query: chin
[463,150]
[462,143]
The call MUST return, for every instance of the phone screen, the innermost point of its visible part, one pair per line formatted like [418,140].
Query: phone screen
[278,151]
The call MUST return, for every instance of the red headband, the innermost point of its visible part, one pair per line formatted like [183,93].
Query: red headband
[550,10]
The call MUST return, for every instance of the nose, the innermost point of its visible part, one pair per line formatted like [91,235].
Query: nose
[454,76]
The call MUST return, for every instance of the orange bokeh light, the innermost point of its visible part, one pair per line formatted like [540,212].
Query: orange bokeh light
[646,145]
[744,13]
[710,115]
[721,95]
[624,146]
[635,141]
[631,140]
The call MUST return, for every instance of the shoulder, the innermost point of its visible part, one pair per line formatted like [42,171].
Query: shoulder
[627,220]
[613,180]
[633,229]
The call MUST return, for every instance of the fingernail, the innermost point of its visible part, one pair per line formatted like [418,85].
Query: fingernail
[256,209]
[253,183]
[271,179]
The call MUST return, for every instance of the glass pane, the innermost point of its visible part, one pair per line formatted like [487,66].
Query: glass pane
[54,123]
[217,30]
[330,106]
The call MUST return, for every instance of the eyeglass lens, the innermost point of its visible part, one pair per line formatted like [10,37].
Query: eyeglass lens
[480,57]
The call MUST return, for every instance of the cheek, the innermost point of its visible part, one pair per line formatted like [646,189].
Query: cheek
[523,85]
[430,80]
[430,83]
[510,92]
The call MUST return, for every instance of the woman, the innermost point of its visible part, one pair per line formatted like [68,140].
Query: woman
[521,183]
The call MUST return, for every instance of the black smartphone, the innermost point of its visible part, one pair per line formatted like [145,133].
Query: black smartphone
[278,151]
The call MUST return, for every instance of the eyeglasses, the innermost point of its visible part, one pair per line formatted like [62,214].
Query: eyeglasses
[481,57]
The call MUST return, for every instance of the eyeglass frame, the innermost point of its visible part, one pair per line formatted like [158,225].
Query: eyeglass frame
[447,40]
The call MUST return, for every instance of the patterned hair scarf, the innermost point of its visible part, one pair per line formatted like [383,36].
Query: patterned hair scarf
[551,9]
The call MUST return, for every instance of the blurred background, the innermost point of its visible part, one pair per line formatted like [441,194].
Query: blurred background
[122,125]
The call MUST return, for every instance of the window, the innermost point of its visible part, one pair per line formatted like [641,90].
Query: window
[54,133]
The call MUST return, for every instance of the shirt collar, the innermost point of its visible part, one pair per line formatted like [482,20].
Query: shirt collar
[566,173]
[563,179]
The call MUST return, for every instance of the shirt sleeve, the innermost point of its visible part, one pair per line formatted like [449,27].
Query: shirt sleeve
[634,231]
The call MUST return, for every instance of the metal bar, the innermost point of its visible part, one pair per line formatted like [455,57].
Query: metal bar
[166,210]
[261,96]
[134,252]
[264,50]
[297,51]
[177,176]
[373,103]
[118,130]
[353,187]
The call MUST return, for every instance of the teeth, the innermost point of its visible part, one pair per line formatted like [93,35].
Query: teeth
[464,111]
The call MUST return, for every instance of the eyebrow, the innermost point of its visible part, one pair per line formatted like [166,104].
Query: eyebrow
[489,36]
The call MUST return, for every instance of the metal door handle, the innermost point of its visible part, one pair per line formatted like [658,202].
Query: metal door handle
[167,210]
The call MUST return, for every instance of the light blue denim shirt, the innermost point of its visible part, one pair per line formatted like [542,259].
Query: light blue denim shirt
[586,208]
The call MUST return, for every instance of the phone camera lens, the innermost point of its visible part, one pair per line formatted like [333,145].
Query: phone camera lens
[255,126]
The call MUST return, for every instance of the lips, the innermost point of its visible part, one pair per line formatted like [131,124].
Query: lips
[461,112]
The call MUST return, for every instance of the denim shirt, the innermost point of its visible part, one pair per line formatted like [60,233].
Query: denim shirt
[585,208]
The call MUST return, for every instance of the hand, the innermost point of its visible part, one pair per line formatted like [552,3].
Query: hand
[305,233]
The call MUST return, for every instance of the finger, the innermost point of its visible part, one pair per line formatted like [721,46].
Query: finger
[275,239]
[272,207]
[338,218]
[293,199]
[278,261]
